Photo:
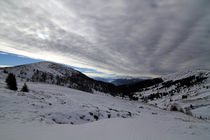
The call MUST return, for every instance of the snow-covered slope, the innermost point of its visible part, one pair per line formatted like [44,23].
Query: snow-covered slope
[51,112]
[54,104]
[187,91]
[184,74]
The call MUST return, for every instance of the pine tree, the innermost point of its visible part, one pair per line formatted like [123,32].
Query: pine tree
[25,88]
[11,82]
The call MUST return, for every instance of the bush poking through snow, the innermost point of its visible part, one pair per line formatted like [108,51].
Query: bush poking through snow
[173,108]
[95,117]
[184,96]
[25,88]
[82,117]
[11,82]
[176,107]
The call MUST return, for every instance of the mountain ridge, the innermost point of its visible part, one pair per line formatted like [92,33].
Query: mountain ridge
[53,73]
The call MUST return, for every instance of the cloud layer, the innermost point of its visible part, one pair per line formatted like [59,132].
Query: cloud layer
[135,37]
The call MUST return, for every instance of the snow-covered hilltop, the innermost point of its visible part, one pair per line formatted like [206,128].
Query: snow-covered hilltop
[40,72]
[57,74]
[27,70]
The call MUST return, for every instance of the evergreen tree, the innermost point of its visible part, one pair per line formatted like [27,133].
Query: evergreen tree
[25,88]
[11,82]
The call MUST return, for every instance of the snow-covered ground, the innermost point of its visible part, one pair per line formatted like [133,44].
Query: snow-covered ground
[161,126]
[48,112]
[56,104]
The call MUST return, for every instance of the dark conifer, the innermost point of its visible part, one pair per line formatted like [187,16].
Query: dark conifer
[11,82]
[25,88]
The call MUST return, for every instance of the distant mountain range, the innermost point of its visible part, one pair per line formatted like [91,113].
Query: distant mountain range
[107,80]
[121,80]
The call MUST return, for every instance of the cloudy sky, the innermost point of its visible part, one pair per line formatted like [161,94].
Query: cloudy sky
[120,37]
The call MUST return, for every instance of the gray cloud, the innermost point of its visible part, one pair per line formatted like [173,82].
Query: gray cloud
[136,37]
